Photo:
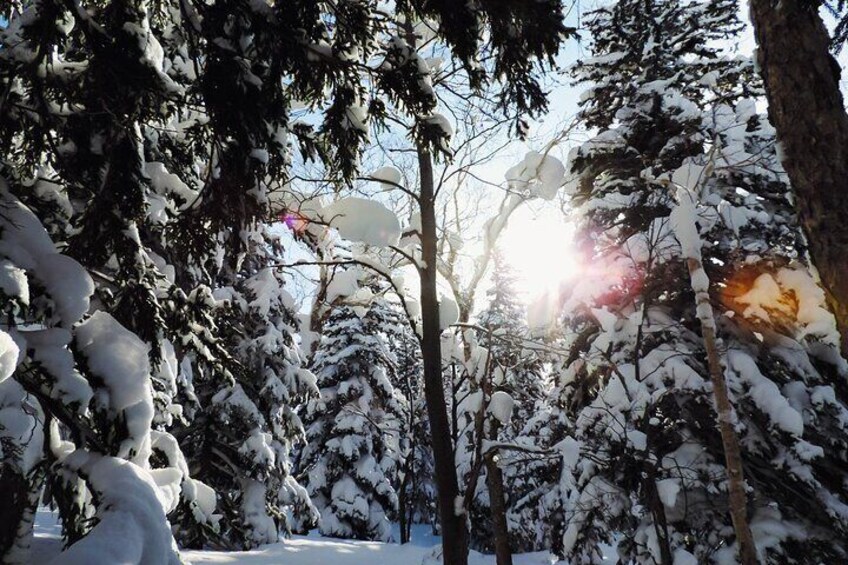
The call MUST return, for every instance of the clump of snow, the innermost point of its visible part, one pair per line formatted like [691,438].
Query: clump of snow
[764,292]
[689,176]
[167,183]
[668,489]
[445,127]
[539,174]
[448,312]
[8,356]
[120,359]
[363,220]
[389,177]
[13,282]
[50,351]
[500,405]
[683,222]
[26,243]
[765,394]
[343,283]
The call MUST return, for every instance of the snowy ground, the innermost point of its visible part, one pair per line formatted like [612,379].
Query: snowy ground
[308,550]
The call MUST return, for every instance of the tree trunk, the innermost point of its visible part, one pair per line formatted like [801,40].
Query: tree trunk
[497,503]
[494,477]
[657,507]
[454,533]
[806,108]
[404,536]
[732,455]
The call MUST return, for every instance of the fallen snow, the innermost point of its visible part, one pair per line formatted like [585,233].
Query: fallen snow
[424,549]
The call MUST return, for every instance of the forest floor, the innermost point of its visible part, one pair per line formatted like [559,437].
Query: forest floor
[301,550]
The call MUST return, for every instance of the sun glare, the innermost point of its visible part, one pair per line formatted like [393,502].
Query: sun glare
[539,247]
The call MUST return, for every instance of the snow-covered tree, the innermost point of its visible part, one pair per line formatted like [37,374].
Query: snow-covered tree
[506,335]
[643,459]
[415,486]
[351,462]
[520,375]
[77,400]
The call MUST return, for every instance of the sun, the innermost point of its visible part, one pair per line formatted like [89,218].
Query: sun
[538,246]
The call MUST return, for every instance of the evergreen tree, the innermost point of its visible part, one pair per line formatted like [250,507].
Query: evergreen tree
[415,487]
[352,459]
[642,457]
[518,377]
[523,374]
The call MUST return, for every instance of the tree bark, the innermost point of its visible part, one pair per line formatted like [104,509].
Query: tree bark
[730,443]
[497,503]
[806,108]
[454,533]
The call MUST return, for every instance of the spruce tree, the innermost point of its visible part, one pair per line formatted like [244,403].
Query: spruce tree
[351,462]
[518,378]
[642,456]
[507,337]
[415,486]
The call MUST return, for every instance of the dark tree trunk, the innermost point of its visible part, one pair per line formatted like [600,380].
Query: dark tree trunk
[497,503]
[494,482]
[454,533]
[657,508]
[806,108]
[402,510]
[15,493]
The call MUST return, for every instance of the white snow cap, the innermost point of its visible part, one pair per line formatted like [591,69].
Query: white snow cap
[501,405]
[120,359]
[388,177]
[363,220]
[132,526]
[448,312]
[8,356]
[27,244]
[541,175]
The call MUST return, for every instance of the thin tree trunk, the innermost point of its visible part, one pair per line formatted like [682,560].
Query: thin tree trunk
[806,108]
[454,533]
[402,501]
[494,477]
[657,508]
[497,503]
[730,443]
